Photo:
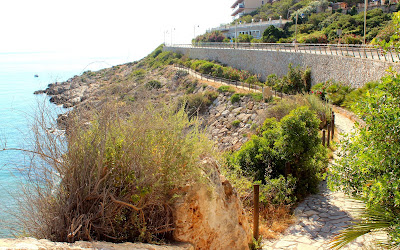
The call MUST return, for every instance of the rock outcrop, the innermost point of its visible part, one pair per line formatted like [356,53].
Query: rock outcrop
[230,125]
[211,216]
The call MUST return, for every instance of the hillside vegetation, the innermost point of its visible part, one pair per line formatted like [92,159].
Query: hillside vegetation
[313,26]
[136,136]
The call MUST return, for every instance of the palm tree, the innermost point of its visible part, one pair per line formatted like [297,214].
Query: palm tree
[373,219]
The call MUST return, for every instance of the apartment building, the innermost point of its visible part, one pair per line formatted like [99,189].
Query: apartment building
[242,7]
[255,29]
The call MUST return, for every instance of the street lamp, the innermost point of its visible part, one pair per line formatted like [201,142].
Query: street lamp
[165,32]
[365,19]
[172,29]
[295,28]
[194,30]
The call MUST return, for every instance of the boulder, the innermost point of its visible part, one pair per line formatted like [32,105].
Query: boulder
[210,214]
[225,113]
[244,117]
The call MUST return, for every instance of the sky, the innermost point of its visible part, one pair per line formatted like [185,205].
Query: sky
[123,28]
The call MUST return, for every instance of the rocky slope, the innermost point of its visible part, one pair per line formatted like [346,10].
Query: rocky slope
[228,124]
[133,86]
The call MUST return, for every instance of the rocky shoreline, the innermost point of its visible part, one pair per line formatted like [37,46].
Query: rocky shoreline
[228,124]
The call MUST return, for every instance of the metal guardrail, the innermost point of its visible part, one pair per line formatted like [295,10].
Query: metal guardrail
[351,50]
[222,80]
[266,91]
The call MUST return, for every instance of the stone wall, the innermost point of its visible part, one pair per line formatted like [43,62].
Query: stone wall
[351,71]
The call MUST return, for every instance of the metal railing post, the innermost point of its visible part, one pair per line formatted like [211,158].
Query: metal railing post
[390,50]
[333,124]
[329,135]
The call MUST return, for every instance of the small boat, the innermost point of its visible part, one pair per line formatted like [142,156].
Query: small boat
[36,75]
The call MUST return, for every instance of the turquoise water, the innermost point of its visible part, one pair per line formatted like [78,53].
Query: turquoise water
[17,104]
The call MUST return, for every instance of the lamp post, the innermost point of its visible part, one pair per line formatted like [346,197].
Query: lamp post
[295,29]
[172,29]
[236,36]
[194,30]
[365,19]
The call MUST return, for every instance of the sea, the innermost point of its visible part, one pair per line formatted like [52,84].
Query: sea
[22,73]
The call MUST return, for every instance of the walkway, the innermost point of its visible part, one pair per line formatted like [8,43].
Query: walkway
[346,50]
[320,217]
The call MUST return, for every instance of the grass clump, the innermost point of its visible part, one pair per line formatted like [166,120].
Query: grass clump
[153,84]
[226,89]
[112,180]
[236,98]
[198,103]
[139,72]
[236,123]
[284,107]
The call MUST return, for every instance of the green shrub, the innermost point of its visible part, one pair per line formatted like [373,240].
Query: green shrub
[257,97]
[236,123]
[314,38]
[272,34]
[206,67]
[235,98]
[295,81]
[226,88]
[198,103]
[351,39]
[217,70]
[211,95]
[180,74]
[139,72]
[332,91]
[252,79]
[359,94]
[281,109]
[278,191]
[289,148]
[369,166]
[153,84]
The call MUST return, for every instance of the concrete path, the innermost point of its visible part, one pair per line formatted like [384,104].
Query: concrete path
[320,217]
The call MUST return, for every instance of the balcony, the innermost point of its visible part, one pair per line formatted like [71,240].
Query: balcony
[240,8]
[236,3]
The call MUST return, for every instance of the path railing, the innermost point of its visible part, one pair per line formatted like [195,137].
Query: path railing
[351,50]
[265,90]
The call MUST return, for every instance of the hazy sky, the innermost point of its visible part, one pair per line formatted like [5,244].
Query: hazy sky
[127,28]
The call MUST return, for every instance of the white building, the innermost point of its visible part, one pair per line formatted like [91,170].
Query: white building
[242,7]
[255,29]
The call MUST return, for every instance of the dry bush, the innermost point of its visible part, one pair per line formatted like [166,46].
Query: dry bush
[274,221]
[112,179]
[284,106]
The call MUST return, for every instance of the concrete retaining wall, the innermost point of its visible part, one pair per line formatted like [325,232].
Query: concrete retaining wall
[351,71]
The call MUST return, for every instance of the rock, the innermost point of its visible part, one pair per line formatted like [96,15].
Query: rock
[225,113]
[244,117]
[211,216]
[62,121]
[237,110]
[39,92]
